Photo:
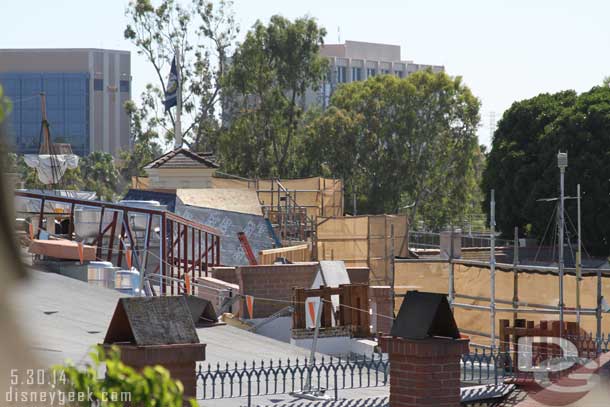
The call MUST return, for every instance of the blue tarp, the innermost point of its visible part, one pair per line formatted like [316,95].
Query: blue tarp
[164,198]
[230,223]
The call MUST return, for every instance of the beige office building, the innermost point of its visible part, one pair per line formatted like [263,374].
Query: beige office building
[356,61]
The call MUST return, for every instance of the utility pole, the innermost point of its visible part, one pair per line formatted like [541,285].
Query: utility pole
[578,258]
[177,123]
[492,269]
[562,163]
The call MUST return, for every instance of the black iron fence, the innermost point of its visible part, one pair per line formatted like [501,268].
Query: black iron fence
[281,377]
[250,379]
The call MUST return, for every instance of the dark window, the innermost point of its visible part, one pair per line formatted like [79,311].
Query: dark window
[124,86]
[98,84]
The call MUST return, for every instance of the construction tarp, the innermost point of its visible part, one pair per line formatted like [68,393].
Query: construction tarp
[50,168]
[363,241]
[25,205]
[229,224]
[164,198]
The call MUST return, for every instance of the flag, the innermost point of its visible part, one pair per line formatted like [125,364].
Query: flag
[171,91]
[250,305]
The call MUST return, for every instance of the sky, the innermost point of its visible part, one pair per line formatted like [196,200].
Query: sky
[505,50]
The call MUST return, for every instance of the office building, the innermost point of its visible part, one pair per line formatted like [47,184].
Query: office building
[356,61]
[85,94]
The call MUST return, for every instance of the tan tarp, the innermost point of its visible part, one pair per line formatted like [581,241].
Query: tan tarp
[320,196]
[533,288]
[236,200]
[61,249]
[363,241]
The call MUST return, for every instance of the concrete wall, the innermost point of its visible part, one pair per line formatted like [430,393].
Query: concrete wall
[216,291]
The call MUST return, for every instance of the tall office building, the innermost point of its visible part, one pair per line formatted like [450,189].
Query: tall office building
[85,92]
[356,61]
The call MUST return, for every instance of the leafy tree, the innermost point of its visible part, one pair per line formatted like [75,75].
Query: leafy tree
[402,143]
[203,32]
[522,164]
[145,147]
[153,387]
[269,75]
[99,174]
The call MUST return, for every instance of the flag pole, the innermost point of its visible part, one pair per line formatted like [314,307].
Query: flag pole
[177,123]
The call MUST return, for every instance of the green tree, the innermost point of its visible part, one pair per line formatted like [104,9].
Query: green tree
[144,137]
[522,164]
[269,75]
[153,387]
[203,32]
[402,143]
[98,174]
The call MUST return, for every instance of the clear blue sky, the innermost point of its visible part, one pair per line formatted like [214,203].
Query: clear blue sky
[505,50]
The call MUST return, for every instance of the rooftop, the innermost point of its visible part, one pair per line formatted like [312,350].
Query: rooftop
[183,158]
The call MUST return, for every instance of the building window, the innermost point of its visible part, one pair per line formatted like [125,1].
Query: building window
[371,72]
[341,74]
[98,84]
[398,73]
[385,71]
[124,86]
[356,74]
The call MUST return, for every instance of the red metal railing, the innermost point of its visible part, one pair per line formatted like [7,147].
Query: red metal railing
[176,236]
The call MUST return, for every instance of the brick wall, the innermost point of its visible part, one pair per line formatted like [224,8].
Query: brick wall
[424,372]
[274,282]
[227,274]
[380,299]
[215,291]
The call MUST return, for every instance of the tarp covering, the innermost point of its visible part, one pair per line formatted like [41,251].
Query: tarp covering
[164,198]
[32,205]
[51,168]
[229,224]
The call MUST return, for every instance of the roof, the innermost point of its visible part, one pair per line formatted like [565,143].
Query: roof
[235,200]
[183,158]
[229,224]
[164,198]
[63,318]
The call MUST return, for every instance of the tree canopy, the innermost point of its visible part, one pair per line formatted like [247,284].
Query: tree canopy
[402,143]
[522,164]
[269,75]
[202,31]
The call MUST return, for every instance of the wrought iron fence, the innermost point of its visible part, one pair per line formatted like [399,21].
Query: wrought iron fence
[281,377]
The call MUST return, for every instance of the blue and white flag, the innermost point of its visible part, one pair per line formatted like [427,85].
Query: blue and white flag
[171,91]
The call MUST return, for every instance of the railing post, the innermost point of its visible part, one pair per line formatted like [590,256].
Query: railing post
[249,390]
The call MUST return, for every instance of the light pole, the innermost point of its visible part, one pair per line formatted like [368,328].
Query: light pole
[562,163]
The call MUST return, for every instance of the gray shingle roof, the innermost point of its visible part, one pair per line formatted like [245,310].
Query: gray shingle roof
[183,158]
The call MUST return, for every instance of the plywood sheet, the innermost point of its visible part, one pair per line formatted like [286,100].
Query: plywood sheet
[236,200]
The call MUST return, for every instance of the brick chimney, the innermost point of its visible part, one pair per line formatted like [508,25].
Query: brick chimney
[424,348]
[153,331]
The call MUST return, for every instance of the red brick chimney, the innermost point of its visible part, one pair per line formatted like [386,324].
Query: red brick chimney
[424,372]
[424,348]
[153,331]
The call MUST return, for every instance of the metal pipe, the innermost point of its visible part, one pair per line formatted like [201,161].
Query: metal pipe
[578,256]
[562,163]
[584,311]
[451,272]
[471,306]
[492,269]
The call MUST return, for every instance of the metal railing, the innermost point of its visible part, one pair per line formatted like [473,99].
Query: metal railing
[281,377]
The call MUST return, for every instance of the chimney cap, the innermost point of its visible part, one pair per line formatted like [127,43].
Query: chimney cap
[424,315]
[147,321]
